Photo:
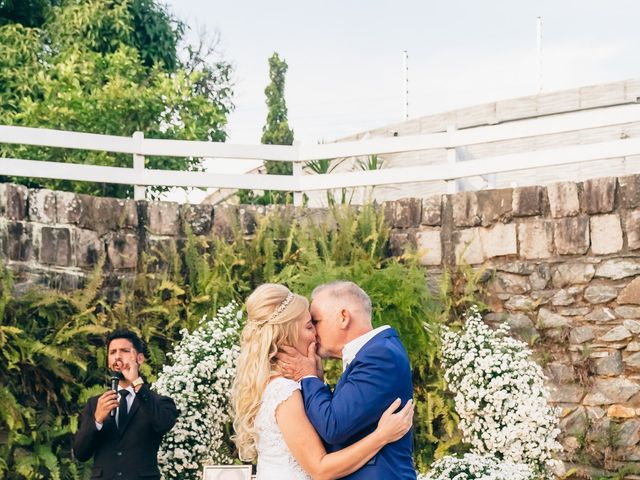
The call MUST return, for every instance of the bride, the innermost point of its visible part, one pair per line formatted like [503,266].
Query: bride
[270,420]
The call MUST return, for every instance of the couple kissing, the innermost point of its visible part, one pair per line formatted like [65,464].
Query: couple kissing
[287,418]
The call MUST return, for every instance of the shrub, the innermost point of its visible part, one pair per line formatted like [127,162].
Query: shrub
[500,396]
[199,380]
[477,467]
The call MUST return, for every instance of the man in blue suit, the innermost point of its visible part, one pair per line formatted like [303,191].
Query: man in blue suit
[376,371]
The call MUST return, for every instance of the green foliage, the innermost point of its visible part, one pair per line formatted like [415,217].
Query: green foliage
[352,245]
[30,13]
[108,67]
[344,195]
[373,162]
[53,355]
[322,166]
[54,358]
[628,470]
[460,288]
[44,354]
[155,34]
[276,131]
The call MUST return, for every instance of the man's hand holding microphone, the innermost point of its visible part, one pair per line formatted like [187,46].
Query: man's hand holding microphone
[108,401]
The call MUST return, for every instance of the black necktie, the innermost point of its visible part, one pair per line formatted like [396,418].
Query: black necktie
[122,412]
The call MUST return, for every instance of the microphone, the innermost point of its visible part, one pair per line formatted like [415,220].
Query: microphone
[115,378]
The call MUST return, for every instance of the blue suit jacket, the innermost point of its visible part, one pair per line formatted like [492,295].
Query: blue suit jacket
[378,375]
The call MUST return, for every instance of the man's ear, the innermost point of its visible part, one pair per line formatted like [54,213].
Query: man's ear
[140,358]
[345,319]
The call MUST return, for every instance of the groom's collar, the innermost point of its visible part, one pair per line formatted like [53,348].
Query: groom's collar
[352,348]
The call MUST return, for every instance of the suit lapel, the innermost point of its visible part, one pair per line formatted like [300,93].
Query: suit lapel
[389,332]
[345,374]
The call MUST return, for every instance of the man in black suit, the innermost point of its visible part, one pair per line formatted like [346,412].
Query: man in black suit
[124,446]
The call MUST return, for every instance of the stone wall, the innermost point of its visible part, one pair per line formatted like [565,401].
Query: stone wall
[562,263]
[57,238]
[563,269]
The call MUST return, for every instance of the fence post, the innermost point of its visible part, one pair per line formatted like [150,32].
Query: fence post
[297,173]
[452,158]
[138,165]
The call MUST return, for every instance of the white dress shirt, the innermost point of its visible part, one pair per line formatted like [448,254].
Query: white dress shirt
[352,348]
[130,398]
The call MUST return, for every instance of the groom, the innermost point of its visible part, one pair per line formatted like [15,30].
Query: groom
[376,371]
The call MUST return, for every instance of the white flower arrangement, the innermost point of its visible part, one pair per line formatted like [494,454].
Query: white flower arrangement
[477,467]
[199,381]
[502,402]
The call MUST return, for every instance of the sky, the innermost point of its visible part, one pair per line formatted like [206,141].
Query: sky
[345,56]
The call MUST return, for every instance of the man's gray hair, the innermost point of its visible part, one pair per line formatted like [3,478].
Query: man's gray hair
[344,289]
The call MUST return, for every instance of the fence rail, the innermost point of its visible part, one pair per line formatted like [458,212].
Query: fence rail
[140,147]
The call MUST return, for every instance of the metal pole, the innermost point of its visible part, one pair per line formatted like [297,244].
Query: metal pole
[405,84]
[539,55]
[138,165]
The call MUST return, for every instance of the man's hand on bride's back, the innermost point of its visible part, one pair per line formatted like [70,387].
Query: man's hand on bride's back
[295,366]
[394,426]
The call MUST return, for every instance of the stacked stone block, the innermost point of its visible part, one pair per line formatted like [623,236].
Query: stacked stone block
[57,238]
[566,277]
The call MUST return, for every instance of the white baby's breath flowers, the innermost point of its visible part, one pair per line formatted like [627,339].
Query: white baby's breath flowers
[477,467]
[199,381]
[502,402]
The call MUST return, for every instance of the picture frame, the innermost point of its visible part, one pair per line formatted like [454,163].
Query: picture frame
[227,472]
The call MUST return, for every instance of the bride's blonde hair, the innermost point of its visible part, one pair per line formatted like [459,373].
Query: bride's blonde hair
[272,312]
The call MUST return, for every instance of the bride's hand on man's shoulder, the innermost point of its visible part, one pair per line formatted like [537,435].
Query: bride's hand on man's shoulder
[394,426]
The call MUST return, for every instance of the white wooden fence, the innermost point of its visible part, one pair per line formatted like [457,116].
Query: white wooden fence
[303,181]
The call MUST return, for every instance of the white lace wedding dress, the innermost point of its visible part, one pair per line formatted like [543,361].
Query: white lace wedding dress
[275,461]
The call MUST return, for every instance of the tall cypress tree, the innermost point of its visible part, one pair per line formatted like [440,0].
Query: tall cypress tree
[276,131]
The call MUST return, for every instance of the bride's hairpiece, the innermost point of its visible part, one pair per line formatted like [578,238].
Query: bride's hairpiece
[281,308]
[276,313]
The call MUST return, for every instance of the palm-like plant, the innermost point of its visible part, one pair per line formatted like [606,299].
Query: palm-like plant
[325,166]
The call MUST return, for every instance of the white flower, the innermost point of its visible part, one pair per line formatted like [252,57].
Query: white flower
[477,467]
[500,396]
[199,381]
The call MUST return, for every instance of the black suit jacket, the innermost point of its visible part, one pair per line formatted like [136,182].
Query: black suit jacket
[132,453]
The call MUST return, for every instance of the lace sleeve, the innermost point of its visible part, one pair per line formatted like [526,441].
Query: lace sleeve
[274,457]
[279,390]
